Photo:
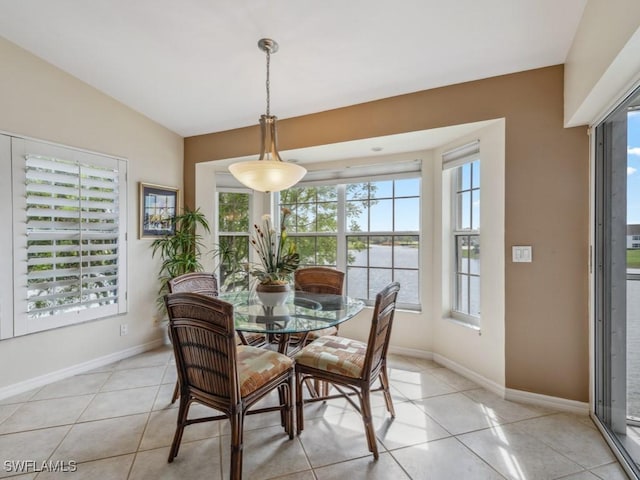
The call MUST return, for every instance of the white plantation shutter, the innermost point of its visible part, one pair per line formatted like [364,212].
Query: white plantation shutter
[73,237]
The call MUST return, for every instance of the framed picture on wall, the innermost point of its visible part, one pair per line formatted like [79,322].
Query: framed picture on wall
[158,207]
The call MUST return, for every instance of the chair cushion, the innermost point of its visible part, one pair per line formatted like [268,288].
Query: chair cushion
[334,354]
[257,366]
[314,334]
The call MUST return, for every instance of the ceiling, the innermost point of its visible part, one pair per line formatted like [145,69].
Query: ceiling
[194,65]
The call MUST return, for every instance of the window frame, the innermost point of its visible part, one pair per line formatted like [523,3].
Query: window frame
[23,323]
[239,234]
[452,164]
[343,235]
[458,233]
[293,233]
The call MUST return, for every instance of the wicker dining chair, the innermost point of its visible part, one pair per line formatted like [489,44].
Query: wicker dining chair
[319,280]
[215,372]
[195,282]
[205,284]
[350,366]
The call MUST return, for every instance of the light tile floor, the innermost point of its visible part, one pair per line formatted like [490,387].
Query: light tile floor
[117,423]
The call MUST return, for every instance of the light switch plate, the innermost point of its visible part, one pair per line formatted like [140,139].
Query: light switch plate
[522,253]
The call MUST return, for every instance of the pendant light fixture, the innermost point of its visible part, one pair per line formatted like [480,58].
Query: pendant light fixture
[269,173]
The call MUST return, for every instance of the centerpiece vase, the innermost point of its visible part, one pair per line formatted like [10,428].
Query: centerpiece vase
[273,294]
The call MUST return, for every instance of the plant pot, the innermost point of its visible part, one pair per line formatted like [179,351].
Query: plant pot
[272,294]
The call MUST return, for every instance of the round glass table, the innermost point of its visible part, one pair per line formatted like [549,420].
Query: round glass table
[301,313]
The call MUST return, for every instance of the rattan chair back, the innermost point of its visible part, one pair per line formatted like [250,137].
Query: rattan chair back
[338,363]
[319,280]
[214,372]
[196,282]
[380,332]
[203,336]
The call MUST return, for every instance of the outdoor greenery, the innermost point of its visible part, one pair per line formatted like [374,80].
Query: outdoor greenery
[633,258]
[315,210]
[312,210]
[232,254]
[232,250]
[471,253]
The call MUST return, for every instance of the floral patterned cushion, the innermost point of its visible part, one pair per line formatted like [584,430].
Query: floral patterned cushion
[256,366]
[314,334]
[334,354]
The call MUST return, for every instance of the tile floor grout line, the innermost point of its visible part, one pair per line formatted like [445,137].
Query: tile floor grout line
[549,445]
[56,447]
[324,418]
[144,430]
[464,445]
[432,419]
[398,462]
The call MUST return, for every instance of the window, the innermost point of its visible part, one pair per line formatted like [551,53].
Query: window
[383,224]
[464,167]
[368,229]
[314,224]
[70,234]
[232,250]
[616,191]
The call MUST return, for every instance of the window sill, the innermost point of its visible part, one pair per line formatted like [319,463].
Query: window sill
[462,323]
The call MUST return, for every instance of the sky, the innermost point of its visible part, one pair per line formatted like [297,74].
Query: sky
[633,167]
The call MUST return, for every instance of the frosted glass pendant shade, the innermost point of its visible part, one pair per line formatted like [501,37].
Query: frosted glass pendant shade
[267,175]
[270,173]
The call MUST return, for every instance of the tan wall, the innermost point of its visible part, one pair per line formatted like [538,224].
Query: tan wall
[40,101]
[547,202]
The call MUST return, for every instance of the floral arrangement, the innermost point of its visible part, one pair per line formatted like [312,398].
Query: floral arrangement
[278,258]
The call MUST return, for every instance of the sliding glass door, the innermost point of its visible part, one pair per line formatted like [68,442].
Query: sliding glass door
[617,278]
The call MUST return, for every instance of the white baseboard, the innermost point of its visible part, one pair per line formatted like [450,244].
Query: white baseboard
[556,403]
[411,352]
[471,375]
[42,380]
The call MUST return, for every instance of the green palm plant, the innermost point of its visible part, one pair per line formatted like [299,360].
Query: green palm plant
[180,253]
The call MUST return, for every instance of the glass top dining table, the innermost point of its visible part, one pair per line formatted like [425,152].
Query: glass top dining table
[301,313]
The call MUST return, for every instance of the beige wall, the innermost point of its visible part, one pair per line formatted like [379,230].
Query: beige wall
[546,206]
[604,59]
[40,101]
[479,351]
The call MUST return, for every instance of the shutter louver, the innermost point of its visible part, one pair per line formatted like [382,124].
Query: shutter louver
[72,236]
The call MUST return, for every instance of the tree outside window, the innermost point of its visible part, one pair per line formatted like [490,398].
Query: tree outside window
[232,250]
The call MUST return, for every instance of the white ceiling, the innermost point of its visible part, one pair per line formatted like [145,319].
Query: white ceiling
[194,65]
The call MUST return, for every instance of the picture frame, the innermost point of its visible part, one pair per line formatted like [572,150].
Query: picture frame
[159,205]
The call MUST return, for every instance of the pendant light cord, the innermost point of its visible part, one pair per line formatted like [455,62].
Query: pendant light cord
[267,82]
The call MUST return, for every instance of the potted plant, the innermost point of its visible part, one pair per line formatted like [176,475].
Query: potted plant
[180,253]
[277,256]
